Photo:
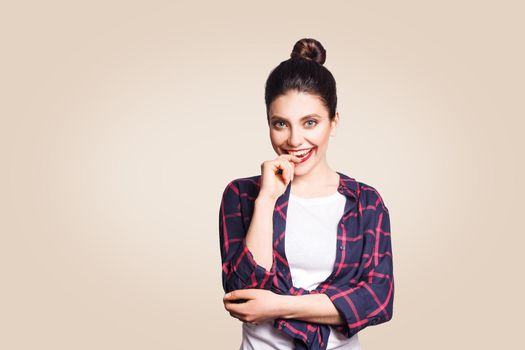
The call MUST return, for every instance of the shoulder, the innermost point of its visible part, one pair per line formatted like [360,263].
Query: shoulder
[371,196]
[367,195]
[245,186]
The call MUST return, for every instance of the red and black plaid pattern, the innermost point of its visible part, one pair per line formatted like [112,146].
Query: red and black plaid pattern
[361,285]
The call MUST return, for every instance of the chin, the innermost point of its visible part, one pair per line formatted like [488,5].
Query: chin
[302,171]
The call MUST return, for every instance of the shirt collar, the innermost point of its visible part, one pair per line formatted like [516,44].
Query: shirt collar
[347,186]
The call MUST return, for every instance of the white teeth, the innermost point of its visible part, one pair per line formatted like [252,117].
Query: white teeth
[301,153]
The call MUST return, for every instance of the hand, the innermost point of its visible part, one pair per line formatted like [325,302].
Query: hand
[261,305]
[274,184]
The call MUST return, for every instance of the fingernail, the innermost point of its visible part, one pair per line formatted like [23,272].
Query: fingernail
[227,295]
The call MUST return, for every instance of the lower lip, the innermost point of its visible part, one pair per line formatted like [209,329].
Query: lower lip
[307,156]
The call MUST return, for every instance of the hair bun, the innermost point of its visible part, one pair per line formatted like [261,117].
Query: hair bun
[309,49]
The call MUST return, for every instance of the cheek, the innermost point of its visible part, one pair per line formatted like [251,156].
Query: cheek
[276,139]
[320,137]
[275,144]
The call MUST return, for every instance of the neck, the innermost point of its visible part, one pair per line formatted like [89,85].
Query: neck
[319,175]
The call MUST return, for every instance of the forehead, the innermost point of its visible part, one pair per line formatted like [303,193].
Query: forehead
[295,105]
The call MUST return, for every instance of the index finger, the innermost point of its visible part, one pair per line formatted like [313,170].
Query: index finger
[290,157]
[237,294]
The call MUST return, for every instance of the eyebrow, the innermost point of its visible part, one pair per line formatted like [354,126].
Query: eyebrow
[305,117]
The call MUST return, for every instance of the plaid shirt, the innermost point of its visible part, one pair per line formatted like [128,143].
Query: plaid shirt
[361,285]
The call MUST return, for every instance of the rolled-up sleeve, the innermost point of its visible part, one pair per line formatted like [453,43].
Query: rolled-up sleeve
[368,301]
[239,269]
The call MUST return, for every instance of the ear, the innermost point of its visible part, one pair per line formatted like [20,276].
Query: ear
[334,124]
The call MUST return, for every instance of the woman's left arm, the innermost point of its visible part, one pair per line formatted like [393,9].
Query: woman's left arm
[314,308]
[262,305]
[369,301]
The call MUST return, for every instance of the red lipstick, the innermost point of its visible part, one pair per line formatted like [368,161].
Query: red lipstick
[305,158]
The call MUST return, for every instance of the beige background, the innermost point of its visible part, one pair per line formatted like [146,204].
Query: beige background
[122,122]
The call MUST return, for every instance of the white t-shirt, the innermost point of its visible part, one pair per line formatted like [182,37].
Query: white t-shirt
[310,246]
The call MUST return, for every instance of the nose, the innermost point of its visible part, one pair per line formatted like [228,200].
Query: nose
[295,137]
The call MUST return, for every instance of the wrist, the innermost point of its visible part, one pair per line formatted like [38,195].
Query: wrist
[289,306]
[263,199]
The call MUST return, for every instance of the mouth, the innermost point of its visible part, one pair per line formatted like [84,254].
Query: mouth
[304,155]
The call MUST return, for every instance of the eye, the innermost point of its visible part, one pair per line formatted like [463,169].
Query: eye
[278,122]
[314,122]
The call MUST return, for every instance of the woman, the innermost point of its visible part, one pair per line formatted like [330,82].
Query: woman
[306,250]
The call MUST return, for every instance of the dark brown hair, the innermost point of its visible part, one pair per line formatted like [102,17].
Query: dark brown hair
[303,72]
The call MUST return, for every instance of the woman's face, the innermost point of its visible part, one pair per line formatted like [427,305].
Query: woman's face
[299,124]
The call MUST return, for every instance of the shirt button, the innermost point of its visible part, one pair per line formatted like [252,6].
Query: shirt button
[341,247]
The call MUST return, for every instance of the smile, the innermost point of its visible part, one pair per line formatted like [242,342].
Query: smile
[304,154]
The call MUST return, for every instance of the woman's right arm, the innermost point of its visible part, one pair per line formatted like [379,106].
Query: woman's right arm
[247,254]
[259,238]
[241,249]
